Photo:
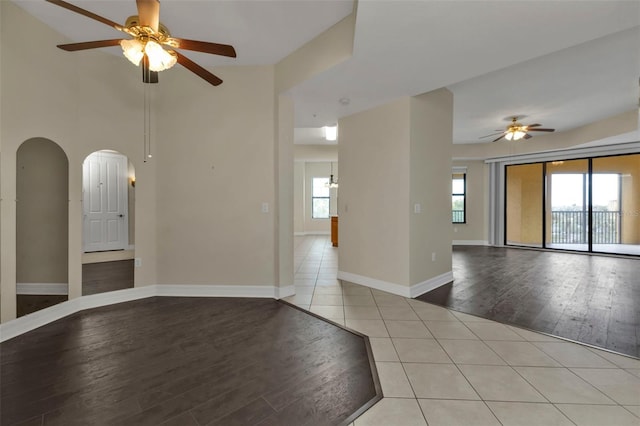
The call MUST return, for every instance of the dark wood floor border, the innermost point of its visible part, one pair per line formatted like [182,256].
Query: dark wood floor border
[560,250]
[585,298]
[565,339]
[372,364]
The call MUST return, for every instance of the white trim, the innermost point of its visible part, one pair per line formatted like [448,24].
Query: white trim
[37,319]
[282,292]
[431,284]
[568,153]
[177,290]
[400,290]
[470,243]
[56,289]
[459,169]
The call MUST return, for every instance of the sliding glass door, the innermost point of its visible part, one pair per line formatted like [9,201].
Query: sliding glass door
[590,204]
[524,205]
[616,204]
[567,205]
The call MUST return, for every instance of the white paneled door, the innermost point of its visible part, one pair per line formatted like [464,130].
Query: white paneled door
[106,222]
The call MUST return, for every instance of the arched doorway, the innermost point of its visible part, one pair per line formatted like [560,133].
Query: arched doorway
[108,187]
[42,225]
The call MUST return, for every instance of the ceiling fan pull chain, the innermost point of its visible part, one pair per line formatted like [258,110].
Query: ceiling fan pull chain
[145,95]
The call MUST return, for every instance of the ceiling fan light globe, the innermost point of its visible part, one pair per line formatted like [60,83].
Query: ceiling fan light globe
[133,50]
[159,59]
[518,134]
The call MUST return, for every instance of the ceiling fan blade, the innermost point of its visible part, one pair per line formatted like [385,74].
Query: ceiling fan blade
[492,134]
[542,130]
[149,13]
[203,46]
[86,13]
[533,125]
[527,136]
[197,69]
[72,47]
[497,139]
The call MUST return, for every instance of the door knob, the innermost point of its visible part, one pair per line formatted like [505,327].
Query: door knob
[120,215]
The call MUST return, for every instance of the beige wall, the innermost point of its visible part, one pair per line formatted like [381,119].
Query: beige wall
[42,210]
[430,185]
[308,153]
[216,169]
[474,231]
[298,197]
[393,158]
[283,218]
[198,201]
[323,52]
[47,92]
[374,154]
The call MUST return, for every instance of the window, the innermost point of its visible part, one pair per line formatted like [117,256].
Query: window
[458,198]
[320,198]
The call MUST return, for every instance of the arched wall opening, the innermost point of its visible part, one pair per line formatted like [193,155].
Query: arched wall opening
[42,225]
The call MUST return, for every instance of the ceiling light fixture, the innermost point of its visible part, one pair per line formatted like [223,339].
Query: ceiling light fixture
[514,134]
[331,132]
[159,58]
[332,183]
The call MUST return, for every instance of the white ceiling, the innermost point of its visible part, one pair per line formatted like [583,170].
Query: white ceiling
[559,63]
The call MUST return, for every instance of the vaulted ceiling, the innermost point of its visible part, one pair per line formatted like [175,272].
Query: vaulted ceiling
[559,63]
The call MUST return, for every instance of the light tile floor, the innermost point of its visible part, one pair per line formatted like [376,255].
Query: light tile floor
[441,367]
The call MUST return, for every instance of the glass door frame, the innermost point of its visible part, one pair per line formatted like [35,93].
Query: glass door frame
[497,188]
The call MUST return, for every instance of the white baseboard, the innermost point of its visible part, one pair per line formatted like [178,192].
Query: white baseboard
[37,319]
[400,290]
[282,292]
[45,289]
[389,287]
[178,290]
[431,284]
[470,243]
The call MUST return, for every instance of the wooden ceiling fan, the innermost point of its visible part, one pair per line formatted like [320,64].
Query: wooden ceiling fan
[516,131]
[146,45]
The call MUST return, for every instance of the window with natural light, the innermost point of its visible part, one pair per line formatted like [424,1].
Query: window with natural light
[320,198]
[458,197]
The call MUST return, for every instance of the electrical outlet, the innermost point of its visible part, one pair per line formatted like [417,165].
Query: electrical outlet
[433,256]
[137,262]
[265,207]
[417,208]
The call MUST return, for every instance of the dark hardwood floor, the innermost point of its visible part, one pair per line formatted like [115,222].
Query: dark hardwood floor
[589,299]
[107,276]
[186,361]
[29,303]
[96,278]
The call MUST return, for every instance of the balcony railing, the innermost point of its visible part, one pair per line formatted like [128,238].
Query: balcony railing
[458,216]
[571,227]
